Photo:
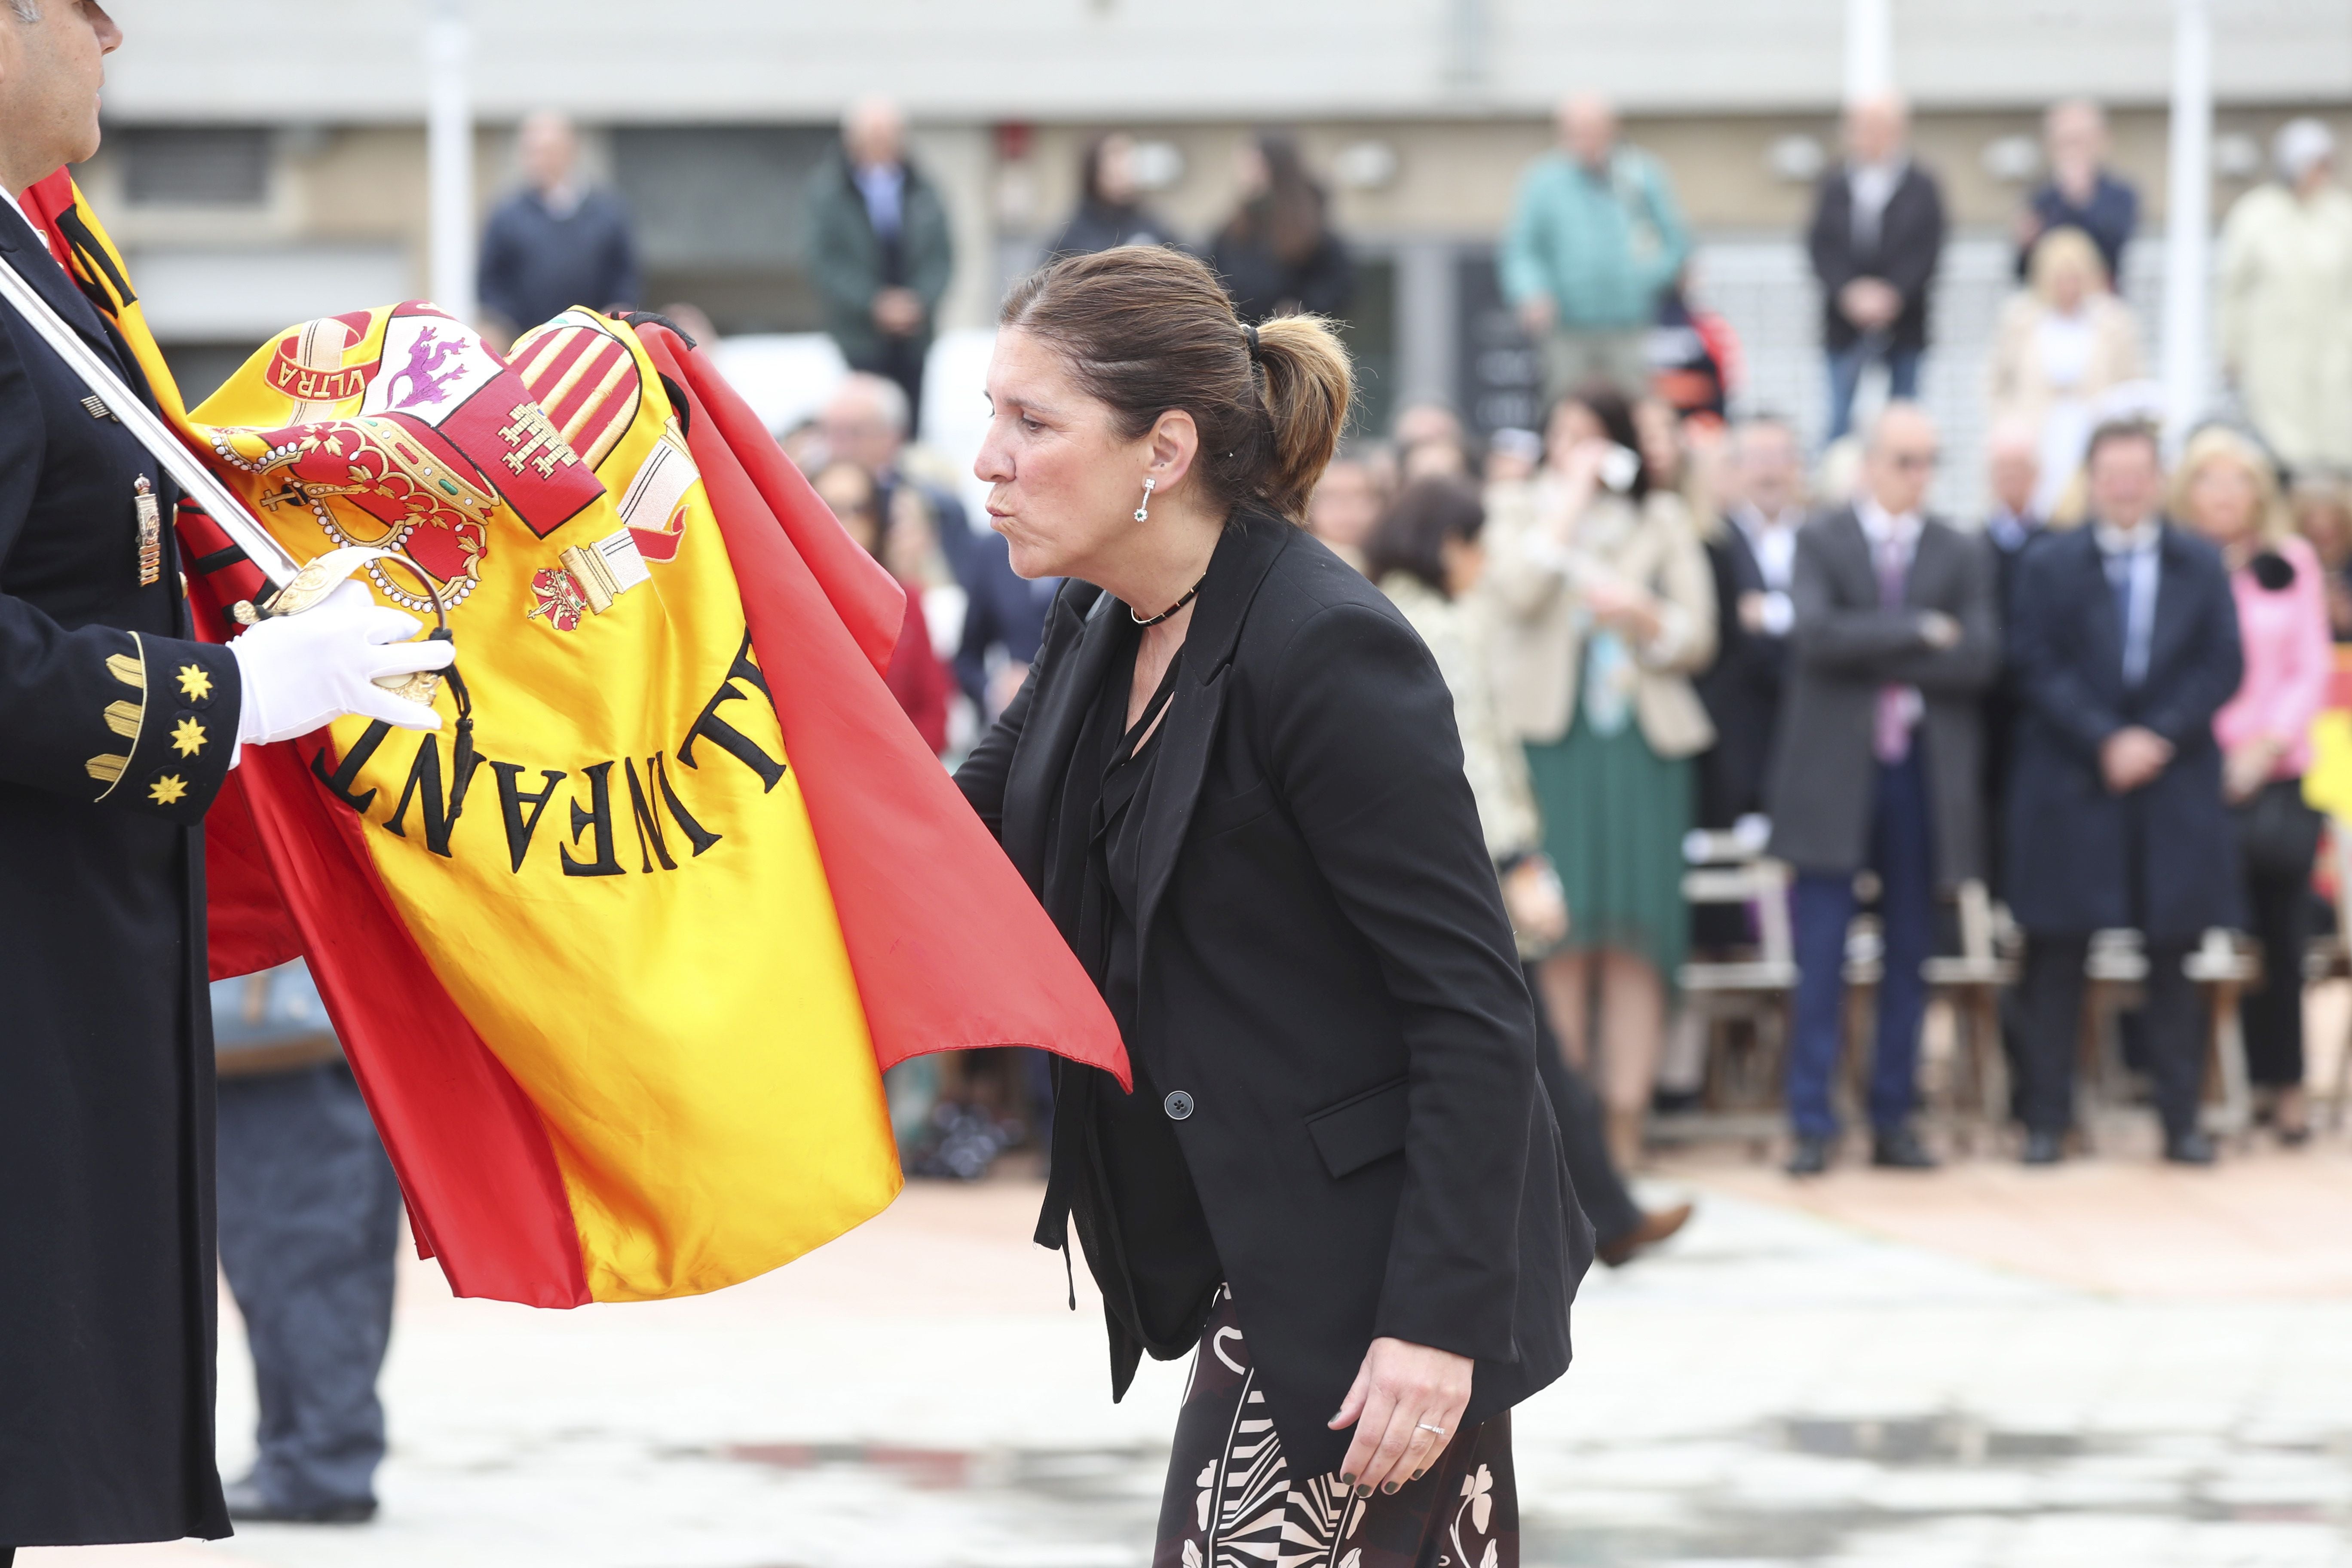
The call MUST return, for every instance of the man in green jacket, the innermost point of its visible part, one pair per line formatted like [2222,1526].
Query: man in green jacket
[1596,238]
[880,249]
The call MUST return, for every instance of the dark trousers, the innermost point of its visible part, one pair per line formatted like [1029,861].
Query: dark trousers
[901,360]
[1600,1190]
[1846,366]
[2050,1009]
[310,1218]
[2279,908]
[1902,851]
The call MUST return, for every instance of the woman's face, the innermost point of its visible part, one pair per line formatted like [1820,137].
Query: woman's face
[1345,506]
[2224,502]
[1571,425]
[1662,441]
[1065,481]
[1115,170]
[2070,284]
[845,490]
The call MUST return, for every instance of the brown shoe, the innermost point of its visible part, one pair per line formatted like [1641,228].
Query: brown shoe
[1656,1227]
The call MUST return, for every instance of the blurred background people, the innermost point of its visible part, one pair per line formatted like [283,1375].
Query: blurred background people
[1429,441]
[881,250]
[1596,237]
[1345,508]
[1278,253]
[2322,505]
[2286,302]
[2081,191]
[1607,611]
[2125,642]
[559,241]
[1111,210]
[2063,340]
[1427,556]
[2227,490]
[309,1225]
[2014,525]
[1896,635]
[1694,355]
[1753,555]
[1876,237]
[916,676]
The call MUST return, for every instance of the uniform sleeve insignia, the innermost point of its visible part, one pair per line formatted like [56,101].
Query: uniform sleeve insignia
[188,737]
[195,682]
[167,790]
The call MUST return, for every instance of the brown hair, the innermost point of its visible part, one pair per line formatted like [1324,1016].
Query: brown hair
[1146,329]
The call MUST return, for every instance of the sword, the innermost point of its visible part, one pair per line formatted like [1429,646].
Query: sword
[294,585]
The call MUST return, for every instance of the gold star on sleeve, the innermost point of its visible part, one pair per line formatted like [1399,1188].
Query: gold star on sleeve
[188,737]
[195,682]
[167,790]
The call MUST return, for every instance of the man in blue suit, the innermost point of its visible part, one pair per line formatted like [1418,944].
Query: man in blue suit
[2123,640]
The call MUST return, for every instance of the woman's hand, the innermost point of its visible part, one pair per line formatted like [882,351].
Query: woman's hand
[1406,1405]
[2248,767]
[1622,607]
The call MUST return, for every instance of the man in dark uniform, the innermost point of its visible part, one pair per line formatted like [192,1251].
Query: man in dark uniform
[116,732]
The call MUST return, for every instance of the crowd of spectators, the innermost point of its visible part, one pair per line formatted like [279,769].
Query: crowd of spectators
[2095,702]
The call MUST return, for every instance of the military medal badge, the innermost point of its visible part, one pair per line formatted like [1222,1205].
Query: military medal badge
[150,511]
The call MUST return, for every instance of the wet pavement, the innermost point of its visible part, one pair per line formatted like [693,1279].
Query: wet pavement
[2121,1365]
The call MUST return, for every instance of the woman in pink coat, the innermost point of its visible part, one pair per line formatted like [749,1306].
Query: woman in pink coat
[2227,490]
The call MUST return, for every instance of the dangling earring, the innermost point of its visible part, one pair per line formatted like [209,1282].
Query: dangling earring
[1143,512]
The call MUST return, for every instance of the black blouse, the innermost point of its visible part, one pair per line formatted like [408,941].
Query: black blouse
[1137,1212]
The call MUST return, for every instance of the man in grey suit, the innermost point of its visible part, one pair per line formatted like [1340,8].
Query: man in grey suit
[1896,635]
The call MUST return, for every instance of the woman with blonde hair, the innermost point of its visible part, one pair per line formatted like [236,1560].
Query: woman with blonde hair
[1234,780]
[1608,611]
[2062,340]
[2227,490]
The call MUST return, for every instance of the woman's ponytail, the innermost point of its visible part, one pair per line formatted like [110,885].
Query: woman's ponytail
[1309,387]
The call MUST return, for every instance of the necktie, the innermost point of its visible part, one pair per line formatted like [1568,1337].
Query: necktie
[1891,737]
[2119,581]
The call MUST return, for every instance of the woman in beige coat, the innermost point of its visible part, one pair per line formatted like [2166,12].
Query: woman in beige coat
[1607,611]
[2063,342]
[2286,303]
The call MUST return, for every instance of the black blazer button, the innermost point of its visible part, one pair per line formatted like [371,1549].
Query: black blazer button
[1178,1105]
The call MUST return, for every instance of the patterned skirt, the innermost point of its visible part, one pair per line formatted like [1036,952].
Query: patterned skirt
[1232,1503]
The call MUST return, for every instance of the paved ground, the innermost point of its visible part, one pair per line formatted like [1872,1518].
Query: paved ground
[2111,1364]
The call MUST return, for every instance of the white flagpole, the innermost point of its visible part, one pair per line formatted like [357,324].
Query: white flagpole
[449,138]
[2187,241]
[1869,48]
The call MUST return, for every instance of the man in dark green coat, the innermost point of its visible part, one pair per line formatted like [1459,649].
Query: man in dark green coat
[880,250]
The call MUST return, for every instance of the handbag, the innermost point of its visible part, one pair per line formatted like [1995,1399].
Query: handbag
[2278,833]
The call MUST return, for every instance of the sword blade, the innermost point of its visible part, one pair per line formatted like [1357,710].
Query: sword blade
[196,481]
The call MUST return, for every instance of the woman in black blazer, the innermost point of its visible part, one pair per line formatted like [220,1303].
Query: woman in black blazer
[1233,779]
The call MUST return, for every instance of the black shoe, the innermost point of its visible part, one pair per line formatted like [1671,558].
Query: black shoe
[1809,1156]
[1899,1149]
[2044,1148]
[2191,1148]
[247,1505]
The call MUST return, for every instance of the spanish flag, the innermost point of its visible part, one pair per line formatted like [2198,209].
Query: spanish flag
[619,964]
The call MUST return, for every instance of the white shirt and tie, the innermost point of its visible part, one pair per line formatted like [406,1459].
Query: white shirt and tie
[1894,543]
[2135,567]
[1773,541]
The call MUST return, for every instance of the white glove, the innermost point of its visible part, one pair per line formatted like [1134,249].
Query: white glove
[296,672]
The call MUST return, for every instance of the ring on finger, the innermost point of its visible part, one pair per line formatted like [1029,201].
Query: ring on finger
[1425,1427]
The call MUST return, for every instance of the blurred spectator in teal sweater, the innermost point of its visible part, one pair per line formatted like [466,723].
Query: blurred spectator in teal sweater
[1597,238]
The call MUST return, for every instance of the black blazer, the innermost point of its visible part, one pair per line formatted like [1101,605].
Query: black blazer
[1847,648]
[1742,689]
[1910,244]
[2072,857]
[1327,972]
[115,732]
